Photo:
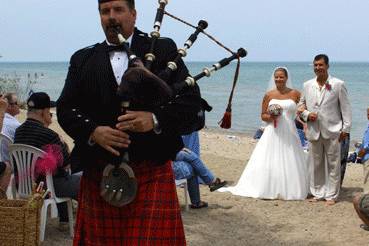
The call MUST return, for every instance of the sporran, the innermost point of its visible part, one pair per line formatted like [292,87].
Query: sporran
[118,185]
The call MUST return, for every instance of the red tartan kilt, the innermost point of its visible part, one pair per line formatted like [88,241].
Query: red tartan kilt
[153,218]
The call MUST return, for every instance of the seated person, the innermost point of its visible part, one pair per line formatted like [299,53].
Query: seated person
[301,128]
[35,132]
[259,132]
[353,156]
[5,173]
[189,166]
[192,142]
[10,123]
[3,107]
[361,201]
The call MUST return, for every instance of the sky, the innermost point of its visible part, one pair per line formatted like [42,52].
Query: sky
[270,30]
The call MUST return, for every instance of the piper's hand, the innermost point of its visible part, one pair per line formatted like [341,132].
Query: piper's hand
[135,121]
[108,138]
[342,137]
[313,117]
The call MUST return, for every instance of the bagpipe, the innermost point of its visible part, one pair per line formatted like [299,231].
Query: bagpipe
[144,86]
[141,89]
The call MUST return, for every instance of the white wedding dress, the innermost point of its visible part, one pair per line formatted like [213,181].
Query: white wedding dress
[277,168]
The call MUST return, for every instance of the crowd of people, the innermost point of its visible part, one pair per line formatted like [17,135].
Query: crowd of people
[318,119]
[35,131]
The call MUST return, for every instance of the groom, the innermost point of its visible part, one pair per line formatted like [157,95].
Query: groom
[326,109]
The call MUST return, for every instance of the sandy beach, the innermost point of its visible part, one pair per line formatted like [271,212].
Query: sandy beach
[233,220]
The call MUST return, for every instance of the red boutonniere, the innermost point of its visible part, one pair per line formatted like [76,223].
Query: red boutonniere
[328,86]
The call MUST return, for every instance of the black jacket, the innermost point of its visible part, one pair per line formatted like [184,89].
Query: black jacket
[89,100]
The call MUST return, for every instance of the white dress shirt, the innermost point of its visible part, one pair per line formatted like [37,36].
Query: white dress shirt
[319,92]
[10,124]
[119,61]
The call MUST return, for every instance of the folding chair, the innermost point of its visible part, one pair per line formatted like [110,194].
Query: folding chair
[25,157]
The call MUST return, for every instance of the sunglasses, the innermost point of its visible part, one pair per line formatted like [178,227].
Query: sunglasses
[14,103]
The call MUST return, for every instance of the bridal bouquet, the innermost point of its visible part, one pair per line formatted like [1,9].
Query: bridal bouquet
[275,110]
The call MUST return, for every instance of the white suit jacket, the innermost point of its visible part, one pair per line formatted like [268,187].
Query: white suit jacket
[332,106]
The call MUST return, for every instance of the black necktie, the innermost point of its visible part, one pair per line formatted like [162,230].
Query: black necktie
[121,47]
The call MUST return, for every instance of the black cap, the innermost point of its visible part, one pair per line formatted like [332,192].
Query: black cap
[40,100]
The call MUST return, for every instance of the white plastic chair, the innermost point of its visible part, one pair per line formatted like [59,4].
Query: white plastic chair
[183,183]
[6,141]
[54,200]
[25,157]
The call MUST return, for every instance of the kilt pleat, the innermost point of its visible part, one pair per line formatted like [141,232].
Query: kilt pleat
[153,218]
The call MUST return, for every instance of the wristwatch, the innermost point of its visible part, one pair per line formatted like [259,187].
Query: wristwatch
[156,128]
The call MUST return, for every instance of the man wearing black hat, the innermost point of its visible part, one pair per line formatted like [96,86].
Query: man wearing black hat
[35,132]
[88,110]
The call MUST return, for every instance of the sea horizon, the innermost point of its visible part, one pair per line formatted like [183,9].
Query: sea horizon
[252,84]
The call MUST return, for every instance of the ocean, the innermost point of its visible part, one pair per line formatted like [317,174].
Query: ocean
[252,84]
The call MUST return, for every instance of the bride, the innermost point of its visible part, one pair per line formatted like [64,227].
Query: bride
[277,168]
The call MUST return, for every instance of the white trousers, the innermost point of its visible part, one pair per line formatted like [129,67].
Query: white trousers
[325,175]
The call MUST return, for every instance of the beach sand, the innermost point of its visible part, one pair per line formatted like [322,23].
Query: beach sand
[234,220]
